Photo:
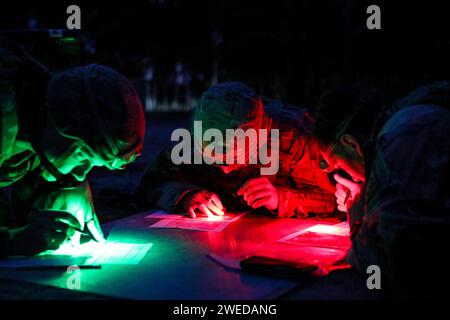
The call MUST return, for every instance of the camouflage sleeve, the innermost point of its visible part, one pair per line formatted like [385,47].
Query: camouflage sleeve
[8,113]
[303,189]
[301,202]
[407,216]
[8,124]
[32,192]
[308,189]
[164,184]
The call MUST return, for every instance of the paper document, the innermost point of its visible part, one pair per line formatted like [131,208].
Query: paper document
[117,253]
[177,221]
[321,235]
[90,253]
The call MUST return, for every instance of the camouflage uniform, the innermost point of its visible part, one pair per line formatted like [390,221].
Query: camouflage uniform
[15,161]
[105,114]
[401,220]
[303,189]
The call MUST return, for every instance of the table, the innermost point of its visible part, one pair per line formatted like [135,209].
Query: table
[177,267]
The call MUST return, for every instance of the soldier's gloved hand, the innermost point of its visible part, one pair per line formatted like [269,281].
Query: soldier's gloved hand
[346,193]
[88,221]
[203,202]
[47,231]
[78,202]
[93,225]
[259,192]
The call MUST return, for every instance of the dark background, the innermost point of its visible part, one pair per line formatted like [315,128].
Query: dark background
[288,49]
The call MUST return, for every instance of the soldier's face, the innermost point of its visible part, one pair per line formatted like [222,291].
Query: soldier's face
[246,155]
[77,161]
[236,156]
[343,157]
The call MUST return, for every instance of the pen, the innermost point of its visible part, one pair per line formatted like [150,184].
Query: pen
[75,228]
[80,231]
[62,267]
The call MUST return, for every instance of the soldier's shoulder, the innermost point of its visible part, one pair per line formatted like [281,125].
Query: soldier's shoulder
[417,120]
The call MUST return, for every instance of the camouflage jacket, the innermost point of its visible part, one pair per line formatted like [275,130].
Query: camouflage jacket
[303,189]
[18,162]
[15,161]
[401,220]
[16,157]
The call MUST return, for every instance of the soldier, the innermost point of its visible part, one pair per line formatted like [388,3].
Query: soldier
[397,190]
[54,128]
[299,188]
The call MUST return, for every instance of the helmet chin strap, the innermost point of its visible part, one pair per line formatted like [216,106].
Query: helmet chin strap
[50,167]
[61,179]
[38,146]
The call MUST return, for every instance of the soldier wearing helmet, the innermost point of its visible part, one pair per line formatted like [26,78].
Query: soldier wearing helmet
[298,189]
[54,128]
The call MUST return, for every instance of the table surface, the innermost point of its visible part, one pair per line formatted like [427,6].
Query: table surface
[177,266]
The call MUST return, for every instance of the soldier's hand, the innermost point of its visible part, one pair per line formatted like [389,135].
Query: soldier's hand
[76,201]
[88,221]
[47,231]
[94,227]
[259,192]
[346,193]
[203,202]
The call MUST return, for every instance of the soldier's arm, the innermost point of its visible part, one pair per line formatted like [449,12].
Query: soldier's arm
[307,189]
[8,117]
[300,202]
[9,65]
[404,228]
[165,184]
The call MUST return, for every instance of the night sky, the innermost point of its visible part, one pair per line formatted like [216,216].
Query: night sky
[287,49]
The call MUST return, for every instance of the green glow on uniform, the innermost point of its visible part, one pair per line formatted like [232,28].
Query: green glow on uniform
[77,201]
[76,209]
